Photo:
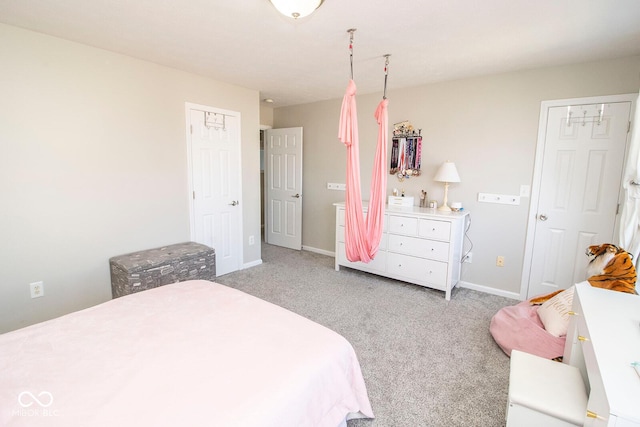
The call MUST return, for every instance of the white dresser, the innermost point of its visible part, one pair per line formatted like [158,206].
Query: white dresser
[603,340]
[419,245]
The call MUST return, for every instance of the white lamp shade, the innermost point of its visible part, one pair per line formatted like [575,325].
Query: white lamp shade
[296,8]
[447,173]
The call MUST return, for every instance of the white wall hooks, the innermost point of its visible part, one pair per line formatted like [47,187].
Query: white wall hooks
[504,199]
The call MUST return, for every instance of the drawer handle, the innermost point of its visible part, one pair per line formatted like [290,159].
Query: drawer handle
[591,414]
[572,313]
[581,338]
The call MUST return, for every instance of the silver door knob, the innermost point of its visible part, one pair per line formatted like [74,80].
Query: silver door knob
[234,203]
[542,217]
[297,195]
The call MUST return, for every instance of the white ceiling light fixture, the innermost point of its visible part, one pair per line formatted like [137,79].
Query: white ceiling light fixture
[296,8]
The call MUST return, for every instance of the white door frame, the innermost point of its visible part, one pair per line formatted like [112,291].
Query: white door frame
[188,107]
[537,172]
[263,171]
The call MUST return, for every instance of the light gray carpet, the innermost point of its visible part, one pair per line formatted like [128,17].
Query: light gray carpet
[426,361]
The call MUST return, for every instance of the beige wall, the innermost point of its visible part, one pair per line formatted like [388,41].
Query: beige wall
[93,164]
[486,125]
[266,115]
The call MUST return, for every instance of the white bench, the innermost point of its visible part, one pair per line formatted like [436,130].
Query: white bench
[544,393]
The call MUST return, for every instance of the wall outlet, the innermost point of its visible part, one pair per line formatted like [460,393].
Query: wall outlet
[500,261]
[37,289]
[468,258]
[252,240]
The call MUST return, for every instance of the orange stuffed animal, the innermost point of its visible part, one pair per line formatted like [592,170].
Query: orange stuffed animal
[611,268]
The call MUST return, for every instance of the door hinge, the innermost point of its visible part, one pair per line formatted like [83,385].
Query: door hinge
[618,209]
[191,129]
[629,126]
[194,195]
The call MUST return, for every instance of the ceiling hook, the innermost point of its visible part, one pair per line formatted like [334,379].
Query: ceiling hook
[386,74]
[351,31]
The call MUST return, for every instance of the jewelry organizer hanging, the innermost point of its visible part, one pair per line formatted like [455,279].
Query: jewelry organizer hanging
[406,151]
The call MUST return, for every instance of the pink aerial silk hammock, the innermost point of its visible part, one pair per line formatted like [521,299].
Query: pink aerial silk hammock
[362,236]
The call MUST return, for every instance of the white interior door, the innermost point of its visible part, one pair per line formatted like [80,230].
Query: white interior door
[214,145]
[283,195]
[583,155]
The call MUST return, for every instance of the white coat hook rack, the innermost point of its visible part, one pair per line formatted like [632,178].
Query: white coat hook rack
[601,114]
[597,119]
[215,120]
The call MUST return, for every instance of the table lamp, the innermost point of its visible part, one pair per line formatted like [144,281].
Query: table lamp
[447,173]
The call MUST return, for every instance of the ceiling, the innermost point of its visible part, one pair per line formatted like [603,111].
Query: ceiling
[249,44]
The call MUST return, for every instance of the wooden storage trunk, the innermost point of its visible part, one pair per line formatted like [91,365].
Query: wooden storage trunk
[151,268]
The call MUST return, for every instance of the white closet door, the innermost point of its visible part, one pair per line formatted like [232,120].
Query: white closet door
[216,185]
[584,150]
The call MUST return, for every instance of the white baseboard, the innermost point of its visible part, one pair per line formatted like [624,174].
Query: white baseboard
[488,290]
[252,264]
[319,251]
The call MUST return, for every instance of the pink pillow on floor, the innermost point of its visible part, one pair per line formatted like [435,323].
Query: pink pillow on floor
[519,327]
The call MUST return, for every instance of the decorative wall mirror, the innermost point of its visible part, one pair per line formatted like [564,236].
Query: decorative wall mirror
[406,151]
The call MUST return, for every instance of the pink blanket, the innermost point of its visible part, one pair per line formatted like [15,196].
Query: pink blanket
[189,354]
[519,327]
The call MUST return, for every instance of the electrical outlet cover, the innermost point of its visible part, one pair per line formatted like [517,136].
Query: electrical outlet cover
[36,289]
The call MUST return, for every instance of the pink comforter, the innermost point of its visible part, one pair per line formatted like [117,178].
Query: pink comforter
[188,354]
[519,327]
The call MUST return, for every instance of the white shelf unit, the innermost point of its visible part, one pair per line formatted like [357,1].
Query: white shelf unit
[419,245]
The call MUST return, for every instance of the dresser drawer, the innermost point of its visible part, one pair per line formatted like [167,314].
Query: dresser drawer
[342,213]
[422,248]
[403,225]
[419,270]
[434,229]
[376,265]
[340,237]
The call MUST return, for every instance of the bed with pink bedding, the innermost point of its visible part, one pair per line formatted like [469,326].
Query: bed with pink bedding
[189,354]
